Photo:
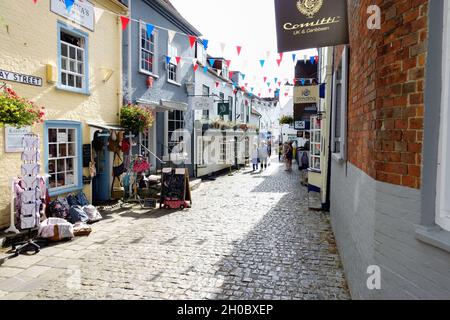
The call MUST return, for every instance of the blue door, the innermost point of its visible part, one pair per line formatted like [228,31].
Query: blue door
[101,183]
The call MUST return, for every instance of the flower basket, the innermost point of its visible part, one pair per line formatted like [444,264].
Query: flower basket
[18,112]
[136,118]
[286,120]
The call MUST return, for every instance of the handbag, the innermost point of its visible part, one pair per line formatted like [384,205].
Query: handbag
[120,169]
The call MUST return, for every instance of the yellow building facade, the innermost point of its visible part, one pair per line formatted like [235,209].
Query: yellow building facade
[74,62]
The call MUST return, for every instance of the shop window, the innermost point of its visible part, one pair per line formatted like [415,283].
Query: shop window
[222,99]
[172,68]
[443,169]
[223,144]
[63,156]
[175,136]
[339,121]
[73,59]
[315,144]
[148,51]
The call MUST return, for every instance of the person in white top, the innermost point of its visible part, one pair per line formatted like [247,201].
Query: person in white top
[255,157]
[263,155]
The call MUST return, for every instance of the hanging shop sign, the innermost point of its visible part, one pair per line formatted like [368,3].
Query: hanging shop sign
[21,78]
[224,109]
[82,12]
[203,103]
[307,94]
[13,138]
[302,125]
[305,24]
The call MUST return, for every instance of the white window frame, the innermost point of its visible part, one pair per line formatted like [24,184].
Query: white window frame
[142,31]
[172,51]
[171,143]
[206,113]
[340,155]
[74,158]
[443,169]
[200,54]
[313,143]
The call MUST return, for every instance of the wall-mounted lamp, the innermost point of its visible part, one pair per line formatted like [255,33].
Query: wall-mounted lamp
[107,74]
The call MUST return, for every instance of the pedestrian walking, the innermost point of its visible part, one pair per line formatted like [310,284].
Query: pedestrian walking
[288,155]
[255,157]
[263,155]
[280,151]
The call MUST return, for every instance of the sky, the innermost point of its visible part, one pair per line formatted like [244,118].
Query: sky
[246,23]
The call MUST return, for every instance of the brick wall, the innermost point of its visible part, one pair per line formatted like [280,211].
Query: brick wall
[386,90]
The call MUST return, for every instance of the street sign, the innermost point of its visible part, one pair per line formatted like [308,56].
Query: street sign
[224,109]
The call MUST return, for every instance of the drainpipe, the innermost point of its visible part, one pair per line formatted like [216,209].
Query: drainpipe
[330,137]
[130,95]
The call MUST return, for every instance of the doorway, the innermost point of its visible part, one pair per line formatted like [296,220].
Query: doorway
[101,183]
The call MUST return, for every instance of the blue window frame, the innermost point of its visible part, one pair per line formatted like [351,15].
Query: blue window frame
[73,59]
[63,156]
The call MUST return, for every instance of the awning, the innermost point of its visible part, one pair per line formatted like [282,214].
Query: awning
[163,105]
[103,126]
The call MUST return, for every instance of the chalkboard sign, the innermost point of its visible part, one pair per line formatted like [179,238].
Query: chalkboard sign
[86,155]
[175,185]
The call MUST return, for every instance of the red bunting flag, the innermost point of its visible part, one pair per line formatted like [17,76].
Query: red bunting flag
[228,63]
[230,74]
[265,79]
[246,85]
[270,90]
[316,58]
[239,48]
[192,40]
[281,56]
[195,66]
[217,84]
[286,94]
[259,94]
[125,21]
[279,62]
[178,59]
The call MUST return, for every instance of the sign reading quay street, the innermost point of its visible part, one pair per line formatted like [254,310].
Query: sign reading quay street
[305,24]
[82,12]
[21,78]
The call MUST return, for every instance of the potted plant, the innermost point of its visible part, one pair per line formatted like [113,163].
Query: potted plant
[136,118]
[18,112]
[286,120]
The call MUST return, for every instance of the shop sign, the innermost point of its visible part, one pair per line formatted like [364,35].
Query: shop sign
[14,137]
[306,24]
[307,94]
[21,78]
[82,12]
[224,109]
[203,103]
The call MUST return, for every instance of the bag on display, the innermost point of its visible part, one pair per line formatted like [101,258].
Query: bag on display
[77,214]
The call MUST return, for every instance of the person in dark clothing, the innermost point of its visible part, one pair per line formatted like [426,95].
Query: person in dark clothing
[280,151]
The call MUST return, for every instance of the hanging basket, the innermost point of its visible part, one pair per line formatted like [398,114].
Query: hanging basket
[136,118]
[18,112]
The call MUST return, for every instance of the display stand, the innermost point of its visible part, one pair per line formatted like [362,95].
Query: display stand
[12,226]
[29,213]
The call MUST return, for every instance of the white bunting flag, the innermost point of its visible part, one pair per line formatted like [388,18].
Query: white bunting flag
[224,84]
[219,72]
[305,59]
[171,35]
[98,12]
[268,55]
[222,46]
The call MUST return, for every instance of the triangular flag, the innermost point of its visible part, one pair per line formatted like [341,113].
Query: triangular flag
[211,62]
[305,59]
[246,85]
[239,49]
[69,5]
[243,88]
[268,84]
[150,29]
[286,94]
[276,80]
[262,63]
[312,59]
[192,40]
[251,89]
[294,57]
[224,84]
[178,59]
[205,69]
[171,35]
[316,58]
[279,83]
[251,95]
[230,74]
[281,56]
[217,84]
[279,62]
[219,72]
[222,46]
[243,76]
[195,66]
[205,44]
[303,82]
[268,55]
[98,12]
[228,62]
[270,90]
[265,79]
[259,94]
[168,59]
[125,21]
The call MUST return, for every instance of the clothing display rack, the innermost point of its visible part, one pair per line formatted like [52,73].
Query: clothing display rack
[30,199]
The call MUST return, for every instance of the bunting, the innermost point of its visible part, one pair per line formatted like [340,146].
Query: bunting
[230,74]
[217,84]
[228,62]
[212,62]
[171,35]
[178,59]
[294,58]
[125,21]
[205,44]
[168,59]
[205,69]
[262,61]
[239,49]
[98,13]
[192,40]
[69,5]
[150,29]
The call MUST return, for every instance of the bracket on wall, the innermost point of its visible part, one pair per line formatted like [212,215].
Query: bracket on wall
[107,74]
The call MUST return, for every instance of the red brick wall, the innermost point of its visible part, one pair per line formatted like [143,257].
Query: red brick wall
[386,90]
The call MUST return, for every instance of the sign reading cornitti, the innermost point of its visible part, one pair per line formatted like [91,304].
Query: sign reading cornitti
[82,12]
[305,24]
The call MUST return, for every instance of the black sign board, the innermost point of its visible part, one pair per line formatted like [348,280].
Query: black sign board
[224,109]
[305,24]
[175,185]
[86,155]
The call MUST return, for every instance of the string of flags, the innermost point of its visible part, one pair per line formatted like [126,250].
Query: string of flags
[192,40]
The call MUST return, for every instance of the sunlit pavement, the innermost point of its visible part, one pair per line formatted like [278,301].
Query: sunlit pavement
[247,236]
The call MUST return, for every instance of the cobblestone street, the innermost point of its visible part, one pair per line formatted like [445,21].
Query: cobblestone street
[248,236]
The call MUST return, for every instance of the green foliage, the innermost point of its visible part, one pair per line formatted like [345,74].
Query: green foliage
[286,120]
[135,118]
[18,112]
